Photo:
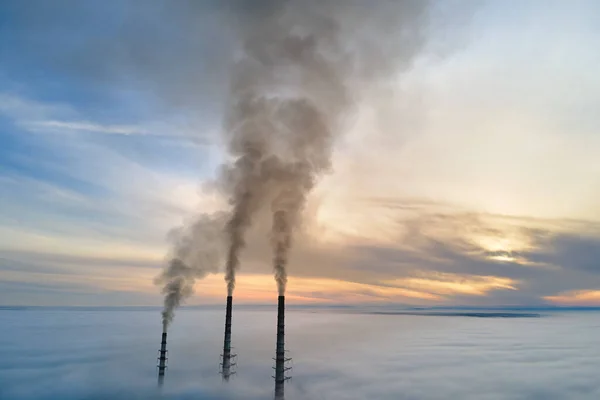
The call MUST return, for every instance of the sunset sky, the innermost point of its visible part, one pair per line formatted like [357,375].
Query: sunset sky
[471,176]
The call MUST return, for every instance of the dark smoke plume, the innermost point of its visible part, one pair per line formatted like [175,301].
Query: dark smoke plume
[196,252]
[293,86]
[299,69]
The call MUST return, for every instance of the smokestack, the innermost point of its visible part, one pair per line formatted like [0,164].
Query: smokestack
[280,360]
[162,358]
[227,356]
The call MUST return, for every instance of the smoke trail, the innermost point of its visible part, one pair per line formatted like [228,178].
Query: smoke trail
[245,200]
[298,73]
[278,132]
[292,88]
[196,252]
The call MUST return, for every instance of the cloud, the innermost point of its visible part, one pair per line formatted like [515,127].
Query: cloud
[441,260]
[456,284]
[61,118]
[455,256]
[86,127]
[52,183]
[577,250]
[74,210]
[111,354]
[576,297]
[485,128]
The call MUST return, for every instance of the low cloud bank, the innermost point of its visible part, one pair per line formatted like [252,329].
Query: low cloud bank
[88,355]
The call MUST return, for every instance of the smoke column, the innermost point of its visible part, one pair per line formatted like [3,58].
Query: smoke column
[196,252]
[286,101]
[245,199]
[299,69]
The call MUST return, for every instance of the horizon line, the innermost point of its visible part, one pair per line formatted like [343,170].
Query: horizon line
[306,306]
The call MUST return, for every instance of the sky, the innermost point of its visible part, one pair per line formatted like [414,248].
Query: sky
[467,175]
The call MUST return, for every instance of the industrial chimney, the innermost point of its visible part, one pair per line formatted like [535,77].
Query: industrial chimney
[228,358]
[162,357]
[280,359]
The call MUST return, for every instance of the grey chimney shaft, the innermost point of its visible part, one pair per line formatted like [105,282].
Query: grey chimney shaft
[162,358]
[280,350]
[227,342]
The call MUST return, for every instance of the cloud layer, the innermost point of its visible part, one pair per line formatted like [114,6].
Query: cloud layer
[101,354]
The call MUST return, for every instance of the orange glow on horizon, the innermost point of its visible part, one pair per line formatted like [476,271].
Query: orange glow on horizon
[453,284]
[576,298]
[262,288]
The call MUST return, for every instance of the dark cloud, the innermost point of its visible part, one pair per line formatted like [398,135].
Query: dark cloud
[432,238]
[577,251]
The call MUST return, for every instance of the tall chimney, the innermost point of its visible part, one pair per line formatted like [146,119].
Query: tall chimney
[162,358]
[226,371]
[280,359]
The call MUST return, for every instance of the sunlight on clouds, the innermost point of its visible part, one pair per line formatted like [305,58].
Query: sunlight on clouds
[503,153]
[337,290]
[576,298]
[261,288]
[185,197]
[454,284]
[211,289]
[338,220]
[504,243]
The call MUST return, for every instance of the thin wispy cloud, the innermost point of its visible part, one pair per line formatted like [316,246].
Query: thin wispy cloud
[84,126]
[162,132]
[56,118]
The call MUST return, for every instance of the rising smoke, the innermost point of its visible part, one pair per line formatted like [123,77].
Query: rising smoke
[299,70]
[292,89]
[196,252]
[286,99]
